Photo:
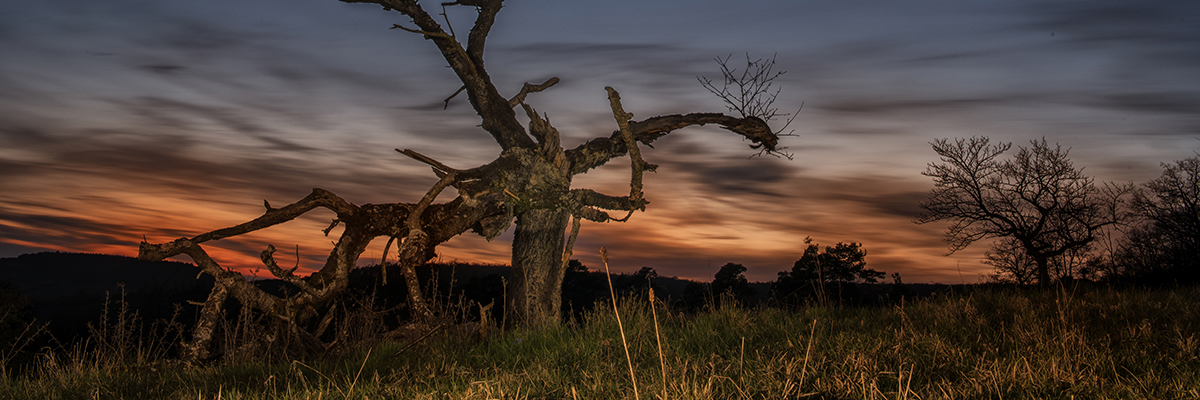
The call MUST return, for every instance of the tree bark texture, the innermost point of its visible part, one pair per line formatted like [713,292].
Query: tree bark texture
[535,295]
[212,312]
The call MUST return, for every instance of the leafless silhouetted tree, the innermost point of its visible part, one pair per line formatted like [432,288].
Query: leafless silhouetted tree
[1037,198]
[529,182]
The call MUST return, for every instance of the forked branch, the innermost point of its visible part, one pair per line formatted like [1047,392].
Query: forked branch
[268,259]
[498,118]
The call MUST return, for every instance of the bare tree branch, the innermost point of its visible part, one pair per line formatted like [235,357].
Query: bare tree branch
[592,198]
[570,247]
[594,215]
[748,93]
[288,276]
[363,223]
[414,248]
[483,25]
[438,167]
[499,120]
[383,262]
[211,313]
[526,89]
[275,216]
[428,35]
[637,165]
[446,103]
[597,152]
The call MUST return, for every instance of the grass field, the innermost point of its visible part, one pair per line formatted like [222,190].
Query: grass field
[1097,343]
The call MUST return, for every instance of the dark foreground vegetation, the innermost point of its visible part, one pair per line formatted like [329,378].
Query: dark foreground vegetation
[1079,341]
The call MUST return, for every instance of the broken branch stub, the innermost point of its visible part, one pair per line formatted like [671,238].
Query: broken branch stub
[526,89]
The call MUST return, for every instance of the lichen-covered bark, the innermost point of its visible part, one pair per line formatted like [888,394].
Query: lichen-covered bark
[535,294]
[210,314]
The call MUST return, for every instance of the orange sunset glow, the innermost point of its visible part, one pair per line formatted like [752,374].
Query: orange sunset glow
[120,122]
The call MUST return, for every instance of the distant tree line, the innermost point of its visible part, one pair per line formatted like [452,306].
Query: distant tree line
[832,274]
[471,293]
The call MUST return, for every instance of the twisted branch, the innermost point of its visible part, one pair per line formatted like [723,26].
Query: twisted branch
[268,258]
[598,151]
[636,164]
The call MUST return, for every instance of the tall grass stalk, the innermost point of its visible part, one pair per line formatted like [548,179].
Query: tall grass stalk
[662,362]
[621,327]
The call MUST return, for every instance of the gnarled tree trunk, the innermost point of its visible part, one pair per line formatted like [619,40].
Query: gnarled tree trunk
[534,297]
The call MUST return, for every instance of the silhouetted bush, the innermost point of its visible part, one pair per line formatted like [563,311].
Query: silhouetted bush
[730,281]
[824,275]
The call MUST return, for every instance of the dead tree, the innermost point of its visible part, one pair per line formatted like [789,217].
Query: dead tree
[529,182]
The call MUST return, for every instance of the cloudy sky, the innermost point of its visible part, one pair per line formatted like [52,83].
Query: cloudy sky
[124,119]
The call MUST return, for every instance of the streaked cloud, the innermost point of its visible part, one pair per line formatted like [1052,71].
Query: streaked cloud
[168,119]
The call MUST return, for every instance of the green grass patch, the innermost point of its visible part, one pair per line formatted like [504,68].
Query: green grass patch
[996,343]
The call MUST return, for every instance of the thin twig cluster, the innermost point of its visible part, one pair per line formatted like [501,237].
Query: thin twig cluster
[749,92]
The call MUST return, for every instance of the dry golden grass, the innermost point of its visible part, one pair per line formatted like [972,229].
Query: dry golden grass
[1001,343]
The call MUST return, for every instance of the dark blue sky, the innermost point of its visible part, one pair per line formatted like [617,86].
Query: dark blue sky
[126,118]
